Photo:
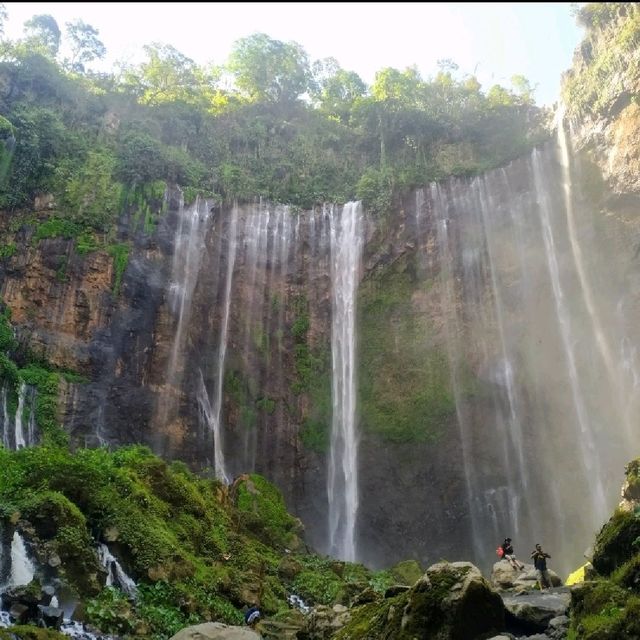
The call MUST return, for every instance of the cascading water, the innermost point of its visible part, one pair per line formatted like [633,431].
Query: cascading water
[116,576]
[13,433]
[342,477]
[22,569]
[529,298]
[19,432]
[216,410]
[187,258]
[5,417]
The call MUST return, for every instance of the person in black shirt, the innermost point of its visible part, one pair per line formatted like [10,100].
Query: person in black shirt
[507,548]
[539,558]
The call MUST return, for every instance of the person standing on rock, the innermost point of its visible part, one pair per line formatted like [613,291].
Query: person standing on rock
[509,554]
[539,558]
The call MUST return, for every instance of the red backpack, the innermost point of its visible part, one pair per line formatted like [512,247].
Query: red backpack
[500,552]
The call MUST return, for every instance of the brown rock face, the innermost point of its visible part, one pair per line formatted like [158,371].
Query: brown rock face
[471,393]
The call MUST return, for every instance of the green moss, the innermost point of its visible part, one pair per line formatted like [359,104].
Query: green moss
[239,390]
[120,255]
[628,575]
[266,404]
[601,610]
[26,632]
[404,378]
[57,228]
[46,383]
[7,250]
[86,243]
[195,553]
[609,66]
[257,498]
[316,426]
[407,572]
[616,542]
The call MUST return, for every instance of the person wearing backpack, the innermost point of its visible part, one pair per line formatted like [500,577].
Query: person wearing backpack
[508,553]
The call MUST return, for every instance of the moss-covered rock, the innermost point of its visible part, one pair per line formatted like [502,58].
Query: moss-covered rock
[603,611]
[263,509]
[27,632]
[617,542]
[449,601]
[407,572]
[197,550]
[404,378]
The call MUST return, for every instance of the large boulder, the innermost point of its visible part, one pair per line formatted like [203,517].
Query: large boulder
[323,622]
[451,600]
[503,575]
[215,631]
[535,610]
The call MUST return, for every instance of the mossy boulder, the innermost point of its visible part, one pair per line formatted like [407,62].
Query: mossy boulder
[407,572]
[617,542]
[601,610]
[60,538]
[263,511]
[631,487]
[452,600]
[30,633]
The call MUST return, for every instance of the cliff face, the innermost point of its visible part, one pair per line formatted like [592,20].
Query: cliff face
[495,350]
[601,90]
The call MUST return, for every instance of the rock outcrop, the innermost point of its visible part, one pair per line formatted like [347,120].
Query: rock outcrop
[215,631]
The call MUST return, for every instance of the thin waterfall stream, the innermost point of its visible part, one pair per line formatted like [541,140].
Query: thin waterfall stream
[342,480]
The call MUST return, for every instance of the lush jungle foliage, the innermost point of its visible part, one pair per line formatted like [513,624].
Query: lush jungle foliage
[197,549]
[268,122]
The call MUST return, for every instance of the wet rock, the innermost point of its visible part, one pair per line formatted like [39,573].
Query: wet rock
[50,617]
[215,631]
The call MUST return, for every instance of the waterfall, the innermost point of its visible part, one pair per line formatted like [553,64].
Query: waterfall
[216,409]
[342,480]
[543,371]
[13,433]
[452,326]
[187,257]
[22,569]
[584,436]
[116,575]
[19,432]
[6,422]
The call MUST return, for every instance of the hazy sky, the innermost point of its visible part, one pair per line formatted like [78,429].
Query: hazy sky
[493,40]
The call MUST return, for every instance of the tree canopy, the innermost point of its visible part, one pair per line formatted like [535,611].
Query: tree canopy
[267,122]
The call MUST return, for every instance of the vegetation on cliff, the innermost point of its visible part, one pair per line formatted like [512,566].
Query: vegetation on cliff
[609,605]
[19,365]
[605,76]
[268,122]
[198,550]
[404,377]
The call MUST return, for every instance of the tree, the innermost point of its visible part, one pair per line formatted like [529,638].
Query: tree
[166,76]
[269,70]
[3,17]
[43,33]
[85,45]
[335,89]
[523,89]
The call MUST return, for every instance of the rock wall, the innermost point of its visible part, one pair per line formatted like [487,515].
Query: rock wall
[467,397]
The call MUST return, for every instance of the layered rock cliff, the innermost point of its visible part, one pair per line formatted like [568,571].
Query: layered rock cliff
[489,337]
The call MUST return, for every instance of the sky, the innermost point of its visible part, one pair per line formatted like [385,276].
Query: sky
[491,40]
